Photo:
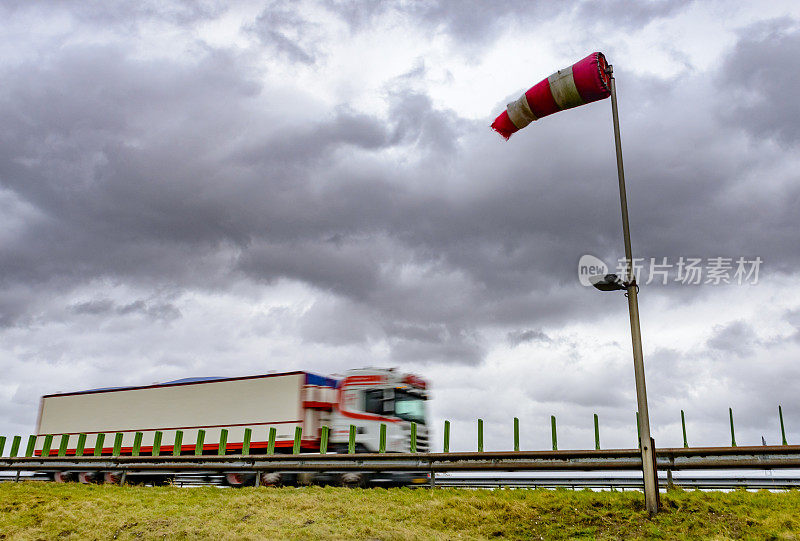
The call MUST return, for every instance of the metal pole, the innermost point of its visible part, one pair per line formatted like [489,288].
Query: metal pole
[648,452]
[683,427]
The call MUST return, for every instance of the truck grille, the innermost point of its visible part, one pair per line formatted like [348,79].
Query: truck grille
[422,438]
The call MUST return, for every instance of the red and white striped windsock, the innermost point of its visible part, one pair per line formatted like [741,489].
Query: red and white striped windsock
[583,82]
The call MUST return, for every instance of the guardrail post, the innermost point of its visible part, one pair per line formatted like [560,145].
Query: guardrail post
[222,448]
[298,435]
[733,435]
[118,444]
[446,446]
[248,433]
[683,427]
[15,441]
[79,447]
[271,441]
[351,441]
[177,445]
[413,437]
[553,430]
[480,435]
[783,431]
[137,444]
[638,430]
[31,445]
[516,433]
[596,432]
[98,444]
[198,446]
[156,450]
[48,443]
[323,441]
[382,439]
[2,444]
[62,448]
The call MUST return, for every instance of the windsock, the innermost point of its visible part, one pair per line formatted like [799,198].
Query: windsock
[583,82]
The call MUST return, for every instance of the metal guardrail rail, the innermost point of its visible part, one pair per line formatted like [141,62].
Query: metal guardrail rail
[769,483]
[670,459]
[605,482]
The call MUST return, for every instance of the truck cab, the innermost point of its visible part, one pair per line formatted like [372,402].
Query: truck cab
[370,397]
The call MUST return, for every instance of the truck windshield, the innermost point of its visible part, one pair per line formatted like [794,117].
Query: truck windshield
[409,407]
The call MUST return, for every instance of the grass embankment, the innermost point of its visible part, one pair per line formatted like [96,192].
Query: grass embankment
[49,511]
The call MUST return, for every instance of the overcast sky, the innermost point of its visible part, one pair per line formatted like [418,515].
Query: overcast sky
[197,189]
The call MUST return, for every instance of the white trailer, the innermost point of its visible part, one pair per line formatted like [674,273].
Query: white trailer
[196,414]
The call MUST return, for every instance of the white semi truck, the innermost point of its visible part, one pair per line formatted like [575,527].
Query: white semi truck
[175,412]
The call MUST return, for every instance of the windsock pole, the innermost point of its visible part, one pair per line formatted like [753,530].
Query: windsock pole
[649,472]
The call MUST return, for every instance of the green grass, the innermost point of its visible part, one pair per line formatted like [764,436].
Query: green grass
[35,510]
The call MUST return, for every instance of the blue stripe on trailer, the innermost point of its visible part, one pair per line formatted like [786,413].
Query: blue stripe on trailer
[321,381]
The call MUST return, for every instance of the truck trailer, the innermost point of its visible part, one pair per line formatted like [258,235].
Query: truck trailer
[242,410]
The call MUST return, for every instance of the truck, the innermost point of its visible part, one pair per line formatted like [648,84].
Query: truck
[194,415]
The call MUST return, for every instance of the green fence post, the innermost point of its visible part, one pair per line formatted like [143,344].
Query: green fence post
[156,450]
[446,446]
[62,448]
[198,445]
[553,430]
[31,445]
[298,435]
[98,444]
[351,442]
[177,446]
[382,439]
[2,444]
[480,435]
[117,444]
[783,431]
[81,445]
[222,448]
[683,427]
[48,442]
[248,433]
[733,435]
[323,442]
[516,434]
[271,440]
[596,432]
[638,430]
[137,444]
[15,441]
[413,437]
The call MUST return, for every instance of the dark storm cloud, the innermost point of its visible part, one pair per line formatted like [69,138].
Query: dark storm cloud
[280,27]
[516,338]
[764,72]
[793,318]
[628,13]
[104,307]
[197,174]
[449,344]
[120,13]
[737,337]
[473,22]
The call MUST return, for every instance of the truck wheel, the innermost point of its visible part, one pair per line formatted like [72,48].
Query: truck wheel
[87,477]
[305,478]
[353,480]
[112,477]
[236,479]
[271,479]
[63,476]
